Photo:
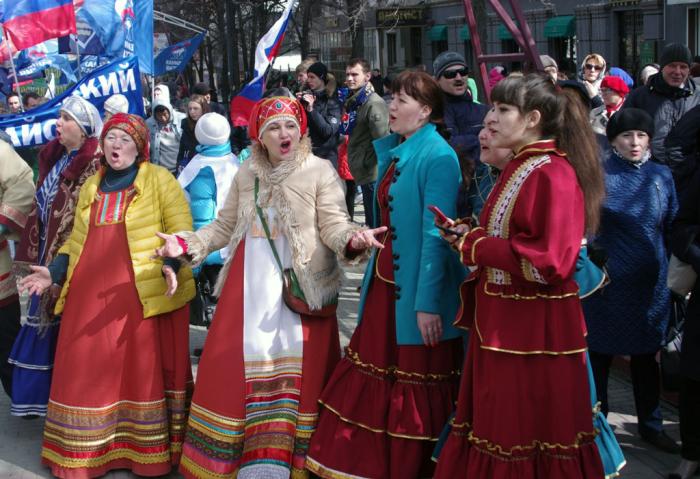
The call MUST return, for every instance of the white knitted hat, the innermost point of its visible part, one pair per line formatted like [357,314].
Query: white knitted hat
[117,104]
[212,129]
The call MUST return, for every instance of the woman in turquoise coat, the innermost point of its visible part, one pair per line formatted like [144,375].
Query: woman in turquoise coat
[405,354]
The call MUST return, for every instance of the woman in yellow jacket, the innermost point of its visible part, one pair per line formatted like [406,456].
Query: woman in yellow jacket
[122,375]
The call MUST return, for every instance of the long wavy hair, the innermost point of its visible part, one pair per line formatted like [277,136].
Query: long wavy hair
[564,118]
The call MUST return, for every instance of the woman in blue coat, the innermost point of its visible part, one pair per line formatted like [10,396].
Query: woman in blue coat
[630,315]
[206,181]
[405,354]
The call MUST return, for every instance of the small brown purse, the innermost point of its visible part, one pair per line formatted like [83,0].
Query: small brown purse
[292,294]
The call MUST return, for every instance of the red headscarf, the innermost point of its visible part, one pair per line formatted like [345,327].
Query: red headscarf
[275,108]
[135,127]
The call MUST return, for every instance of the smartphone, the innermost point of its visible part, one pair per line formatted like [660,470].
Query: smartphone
[439,215]
[450,231]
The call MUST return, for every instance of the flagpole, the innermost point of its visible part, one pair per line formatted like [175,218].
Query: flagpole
[14,70]
[77,52]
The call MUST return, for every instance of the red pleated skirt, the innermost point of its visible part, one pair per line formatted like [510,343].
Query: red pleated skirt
[521,417]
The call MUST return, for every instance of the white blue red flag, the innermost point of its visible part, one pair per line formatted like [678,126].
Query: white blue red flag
[265,52]
[28,22]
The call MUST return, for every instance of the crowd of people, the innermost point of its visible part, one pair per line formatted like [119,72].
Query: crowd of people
[483,345]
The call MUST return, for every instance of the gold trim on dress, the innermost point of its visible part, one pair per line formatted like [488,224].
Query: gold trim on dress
[522,297]
[375,430]
[354,358]
[473,251]
[326,472]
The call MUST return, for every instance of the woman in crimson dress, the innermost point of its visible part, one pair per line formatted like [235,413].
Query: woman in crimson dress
[524,406]
[390,396]
[265,363]
[122,377]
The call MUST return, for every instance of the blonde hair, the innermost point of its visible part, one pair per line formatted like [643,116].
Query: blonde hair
[304,65]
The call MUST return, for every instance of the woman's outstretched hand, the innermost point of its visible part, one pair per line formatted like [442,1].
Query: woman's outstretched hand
[171,248]
[363,239]
[170,279]
[37,282]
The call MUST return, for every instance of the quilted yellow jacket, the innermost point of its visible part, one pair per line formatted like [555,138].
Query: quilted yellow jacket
[159,205]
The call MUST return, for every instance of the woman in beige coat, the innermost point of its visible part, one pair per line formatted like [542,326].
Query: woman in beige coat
[265,363]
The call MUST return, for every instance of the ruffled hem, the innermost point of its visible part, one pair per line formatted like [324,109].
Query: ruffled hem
[404,404]
[467,456]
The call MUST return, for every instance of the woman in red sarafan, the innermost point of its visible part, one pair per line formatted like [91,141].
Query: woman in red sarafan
[523,409]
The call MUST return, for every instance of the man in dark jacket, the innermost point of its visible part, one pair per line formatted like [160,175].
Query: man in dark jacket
[667,96]
[323,113]
[203,89]
[464,120]
[682,152]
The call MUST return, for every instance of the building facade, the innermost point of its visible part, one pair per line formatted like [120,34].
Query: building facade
[411,33]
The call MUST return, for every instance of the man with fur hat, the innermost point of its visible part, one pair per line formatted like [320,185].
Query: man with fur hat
[322,111]
[164,126]
[668,96]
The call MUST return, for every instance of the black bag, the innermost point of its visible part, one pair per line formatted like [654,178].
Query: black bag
[671,350]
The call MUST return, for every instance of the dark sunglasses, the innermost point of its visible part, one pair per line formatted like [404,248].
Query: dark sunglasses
[450,74]
[590,66]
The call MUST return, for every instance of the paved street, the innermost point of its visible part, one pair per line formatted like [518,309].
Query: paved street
[20,440]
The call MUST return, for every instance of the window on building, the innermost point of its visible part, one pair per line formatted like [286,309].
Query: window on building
[391,49]
[511,46]
[694,30]
[631,29]
[415,56]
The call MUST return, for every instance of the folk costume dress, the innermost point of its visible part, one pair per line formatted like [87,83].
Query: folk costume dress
[61,174]
[524,406]
[255,404]
[122,377]
[390,396]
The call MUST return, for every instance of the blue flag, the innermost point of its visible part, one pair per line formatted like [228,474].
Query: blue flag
[35,69]
[124,27]
[38,125]
[175,57]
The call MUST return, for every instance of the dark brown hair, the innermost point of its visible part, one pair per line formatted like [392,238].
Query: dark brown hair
[564,118]
[359,61]
[425,90]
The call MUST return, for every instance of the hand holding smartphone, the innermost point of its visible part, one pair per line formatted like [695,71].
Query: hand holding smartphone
[440,219]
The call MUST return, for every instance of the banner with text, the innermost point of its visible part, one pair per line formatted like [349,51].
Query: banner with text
[38,125]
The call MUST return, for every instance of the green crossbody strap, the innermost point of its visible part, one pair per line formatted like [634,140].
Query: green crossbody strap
[266,228]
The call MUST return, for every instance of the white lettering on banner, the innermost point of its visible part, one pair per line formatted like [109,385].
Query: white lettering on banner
[109,84]
[32,134]
[114,82]
[127,80]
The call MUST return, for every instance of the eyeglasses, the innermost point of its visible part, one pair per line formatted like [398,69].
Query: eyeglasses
[450,74]
[590,66]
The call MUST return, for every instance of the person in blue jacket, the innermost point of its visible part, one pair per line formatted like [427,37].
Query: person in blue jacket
[206,180]
[405,354]
[631,314]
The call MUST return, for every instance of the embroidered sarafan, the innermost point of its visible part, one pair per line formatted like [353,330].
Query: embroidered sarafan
[111,207]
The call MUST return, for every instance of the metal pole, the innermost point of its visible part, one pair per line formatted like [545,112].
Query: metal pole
[77,52]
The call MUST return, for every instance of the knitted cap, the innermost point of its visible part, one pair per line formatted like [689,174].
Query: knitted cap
[84,113]
[212,129]
[548,61]
[446,60]
[615,83]
[675,52]
[318,69]
[117,104]
[135,127]
[272,109]
[630,119]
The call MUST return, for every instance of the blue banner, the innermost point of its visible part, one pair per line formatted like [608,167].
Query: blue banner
[175,57]
[35,69]
[38,125]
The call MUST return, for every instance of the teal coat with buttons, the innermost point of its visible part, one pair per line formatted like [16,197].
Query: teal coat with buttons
[427,272]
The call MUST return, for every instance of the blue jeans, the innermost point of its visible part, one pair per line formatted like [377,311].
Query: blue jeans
[368,203]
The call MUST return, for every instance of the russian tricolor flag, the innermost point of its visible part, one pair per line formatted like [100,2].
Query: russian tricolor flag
[265,52]
[28,22]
